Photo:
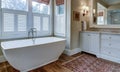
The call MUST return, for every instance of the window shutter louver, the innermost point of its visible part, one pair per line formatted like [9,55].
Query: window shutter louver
[22,23]
[8,22]
[60,25]
[37,22]
[45,23]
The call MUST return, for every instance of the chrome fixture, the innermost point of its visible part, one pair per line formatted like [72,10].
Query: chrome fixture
[32,33]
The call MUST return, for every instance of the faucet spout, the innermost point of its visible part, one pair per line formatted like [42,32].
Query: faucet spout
[32,33]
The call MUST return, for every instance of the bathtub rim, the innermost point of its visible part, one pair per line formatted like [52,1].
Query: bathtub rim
[3,47]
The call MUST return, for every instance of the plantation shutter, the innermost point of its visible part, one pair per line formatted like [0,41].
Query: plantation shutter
[45,23]
[37,23]
[22,23]
[8,22]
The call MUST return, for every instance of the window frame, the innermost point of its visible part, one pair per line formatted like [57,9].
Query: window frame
[29,20]
[45,33]
[41,32]
[56,14]
[15,33]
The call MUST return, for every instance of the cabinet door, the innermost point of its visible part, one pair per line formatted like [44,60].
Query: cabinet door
[84,41]
[94,43]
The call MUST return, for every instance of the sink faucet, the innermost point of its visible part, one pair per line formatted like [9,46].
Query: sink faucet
[32,33]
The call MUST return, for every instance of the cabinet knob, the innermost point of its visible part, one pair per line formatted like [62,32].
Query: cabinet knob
[109,37]
[109,44]
[109,52]
[88,35]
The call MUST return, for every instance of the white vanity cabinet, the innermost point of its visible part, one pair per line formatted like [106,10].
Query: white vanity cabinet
[89,42]
[94,43]
[110,47]
[84,41]
[103,45]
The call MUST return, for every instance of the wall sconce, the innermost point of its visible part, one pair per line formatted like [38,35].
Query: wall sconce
[85,10]
[94,15]
[94,11]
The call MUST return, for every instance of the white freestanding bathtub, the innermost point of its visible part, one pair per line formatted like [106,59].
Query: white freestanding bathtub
[26,55]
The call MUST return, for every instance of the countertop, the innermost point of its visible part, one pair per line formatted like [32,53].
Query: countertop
[102,31]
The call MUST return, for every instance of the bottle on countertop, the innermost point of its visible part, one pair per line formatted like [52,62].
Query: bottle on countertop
[83,25]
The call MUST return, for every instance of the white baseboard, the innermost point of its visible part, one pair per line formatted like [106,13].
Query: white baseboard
[2,59]
[110,58]
[72,52]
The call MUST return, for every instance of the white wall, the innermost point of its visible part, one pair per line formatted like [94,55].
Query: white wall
[76,5]
[68,22]
[76,25]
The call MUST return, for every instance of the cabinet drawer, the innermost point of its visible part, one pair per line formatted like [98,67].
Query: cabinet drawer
[84,34]
[105,37]
[105,43]
[111,52]
[110,37]
[110,44]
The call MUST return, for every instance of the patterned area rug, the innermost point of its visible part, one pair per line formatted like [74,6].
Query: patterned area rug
[88,63]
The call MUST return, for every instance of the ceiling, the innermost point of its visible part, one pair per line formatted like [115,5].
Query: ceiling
[111,2]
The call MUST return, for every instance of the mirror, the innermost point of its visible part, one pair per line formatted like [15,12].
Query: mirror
[106,12]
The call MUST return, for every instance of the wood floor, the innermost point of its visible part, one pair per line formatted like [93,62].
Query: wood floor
[52,67]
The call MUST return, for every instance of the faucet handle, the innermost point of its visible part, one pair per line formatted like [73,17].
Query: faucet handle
[34,29]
